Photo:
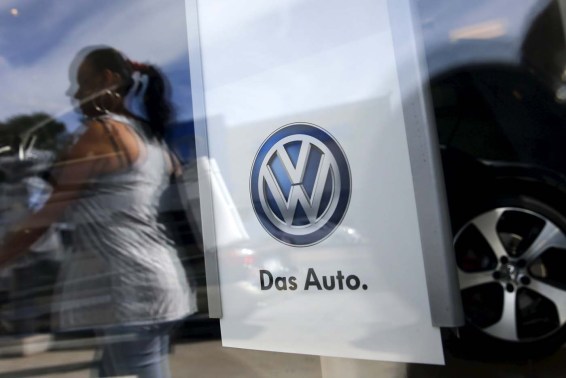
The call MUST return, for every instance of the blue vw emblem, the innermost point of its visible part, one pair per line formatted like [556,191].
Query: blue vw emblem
[300,184]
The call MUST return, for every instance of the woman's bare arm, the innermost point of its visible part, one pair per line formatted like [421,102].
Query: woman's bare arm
[95,153]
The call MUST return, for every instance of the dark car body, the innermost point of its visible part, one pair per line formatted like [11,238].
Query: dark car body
[497,78]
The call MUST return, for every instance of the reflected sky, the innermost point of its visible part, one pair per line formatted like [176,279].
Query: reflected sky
[39,42]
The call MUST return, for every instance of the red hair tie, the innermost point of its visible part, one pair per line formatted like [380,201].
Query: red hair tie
[137,66]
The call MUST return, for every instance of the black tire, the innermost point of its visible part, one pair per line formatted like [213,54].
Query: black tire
[515,274]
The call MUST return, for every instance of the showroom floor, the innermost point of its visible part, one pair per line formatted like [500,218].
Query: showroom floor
[209,359]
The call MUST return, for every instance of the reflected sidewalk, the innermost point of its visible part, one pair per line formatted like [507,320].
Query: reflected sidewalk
[208,358]
[187,359]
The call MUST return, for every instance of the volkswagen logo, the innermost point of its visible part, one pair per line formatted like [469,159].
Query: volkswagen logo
[300,184]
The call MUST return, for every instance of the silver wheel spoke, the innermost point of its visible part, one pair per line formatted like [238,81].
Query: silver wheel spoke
[550,236]
[557,296]
[506,327]
[468,280]
[487,225]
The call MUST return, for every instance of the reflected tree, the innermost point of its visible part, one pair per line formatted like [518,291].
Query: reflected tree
[35,131]
[29,144]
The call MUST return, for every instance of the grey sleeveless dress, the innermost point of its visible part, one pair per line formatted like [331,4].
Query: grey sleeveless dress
[122,269]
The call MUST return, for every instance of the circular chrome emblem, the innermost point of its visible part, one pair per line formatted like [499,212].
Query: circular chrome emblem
[300,184]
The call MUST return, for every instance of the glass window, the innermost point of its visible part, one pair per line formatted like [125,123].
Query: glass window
[340,181]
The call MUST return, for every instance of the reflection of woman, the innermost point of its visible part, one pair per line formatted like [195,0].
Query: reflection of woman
[123,277]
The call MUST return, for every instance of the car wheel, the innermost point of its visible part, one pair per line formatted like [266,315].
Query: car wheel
[511,260]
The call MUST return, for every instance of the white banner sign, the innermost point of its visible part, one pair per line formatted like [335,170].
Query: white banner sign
[314,211]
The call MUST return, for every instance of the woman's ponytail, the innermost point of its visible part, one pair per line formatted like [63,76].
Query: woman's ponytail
[155,99]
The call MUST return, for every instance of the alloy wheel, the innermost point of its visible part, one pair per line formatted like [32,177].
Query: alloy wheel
[511,267]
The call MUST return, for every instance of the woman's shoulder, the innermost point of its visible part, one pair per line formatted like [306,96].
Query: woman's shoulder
[110,120]
[112,138]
